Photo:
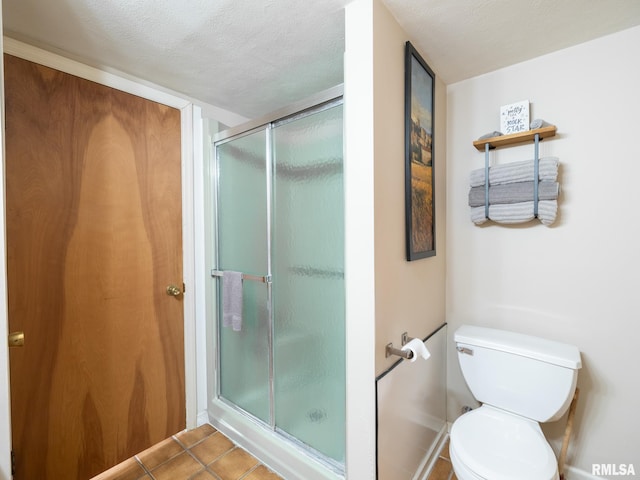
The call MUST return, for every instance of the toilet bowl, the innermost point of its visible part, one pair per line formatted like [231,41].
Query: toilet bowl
[520,381]
[493,444]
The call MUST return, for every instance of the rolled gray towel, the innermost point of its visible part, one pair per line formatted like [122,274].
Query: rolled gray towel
[517,172]
[513,193]
[538,123]
[522,212]
[495,133]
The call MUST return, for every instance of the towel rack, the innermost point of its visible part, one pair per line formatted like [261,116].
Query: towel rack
[504,140]
[245,276]
[515,138]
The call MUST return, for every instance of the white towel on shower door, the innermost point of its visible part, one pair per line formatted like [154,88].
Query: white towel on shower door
[232,300]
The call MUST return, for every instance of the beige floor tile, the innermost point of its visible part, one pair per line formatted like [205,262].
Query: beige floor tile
[211,448]
[204,475]
[128,470]
[262,473]
[181,467]
[233,464]
[191,437]
[160,453]
[168,460]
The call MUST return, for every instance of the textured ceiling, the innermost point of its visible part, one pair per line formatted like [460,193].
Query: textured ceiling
[254,56]
[465,38]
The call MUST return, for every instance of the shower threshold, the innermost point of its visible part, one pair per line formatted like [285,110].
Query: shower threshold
[276,449]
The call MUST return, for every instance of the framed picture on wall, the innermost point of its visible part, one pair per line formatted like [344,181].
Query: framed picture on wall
[419,159]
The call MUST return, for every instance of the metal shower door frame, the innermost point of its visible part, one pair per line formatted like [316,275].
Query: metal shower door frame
[318,103]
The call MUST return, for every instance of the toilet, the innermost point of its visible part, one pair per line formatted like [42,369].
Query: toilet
[521,381]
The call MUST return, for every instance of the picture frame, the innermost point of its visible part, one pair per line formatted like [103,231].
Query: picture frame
[419,156]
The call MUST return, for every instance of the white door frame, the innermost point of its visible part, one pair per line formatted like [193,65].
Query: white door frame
[5,399]
[189,117]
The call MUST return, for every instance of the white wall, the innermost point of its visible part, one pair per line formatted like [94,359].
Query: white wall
[578,280]
[359,240]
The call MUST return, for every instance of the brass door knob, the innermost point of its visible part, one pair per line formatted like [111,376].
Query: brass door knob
[174,291]
[16,339]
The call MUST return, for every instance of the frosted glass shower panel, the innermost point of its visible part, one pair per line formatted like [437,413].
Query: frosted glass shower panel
[308,281]
[242,204]
[243,246]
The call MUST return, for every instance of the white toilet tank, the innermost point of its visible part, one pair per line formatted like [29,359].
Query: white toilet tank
[525,375]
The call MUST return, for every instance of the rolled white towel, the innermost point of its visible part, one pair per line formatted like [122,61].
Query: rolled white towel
[517,172]
[510,213]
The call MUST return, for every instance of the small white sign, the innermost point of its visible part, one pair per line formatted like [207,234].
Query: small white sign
[514,118]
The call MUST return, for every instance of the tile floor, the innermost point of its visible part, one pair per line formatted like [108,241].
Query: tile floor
[200,454]
[206,454]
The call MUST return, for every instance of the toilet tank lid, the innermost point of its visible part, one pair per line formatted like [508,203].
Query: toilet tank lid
[549,351]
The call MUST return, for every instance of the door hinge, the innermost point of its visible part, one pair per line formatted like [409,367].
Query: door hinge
[13,463]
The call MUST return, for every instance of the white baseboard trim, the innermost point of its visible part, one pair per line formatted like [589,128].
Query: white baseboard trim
[202,418]
[572,473]
[432,456]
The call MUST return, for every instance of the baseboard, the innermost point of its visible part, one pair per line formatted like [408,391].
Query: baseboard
[432,456]
[203,417]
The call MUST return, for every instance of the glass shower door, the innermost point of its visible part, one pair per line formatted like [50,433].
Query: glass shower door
[243,239]
[280,214]
[308,281]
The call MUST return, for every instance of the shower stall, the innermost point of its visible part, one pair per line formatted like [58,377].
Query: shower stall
[278,209]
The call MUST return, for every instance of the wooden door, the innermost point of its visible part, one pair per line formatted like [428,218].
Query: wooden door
[93,239]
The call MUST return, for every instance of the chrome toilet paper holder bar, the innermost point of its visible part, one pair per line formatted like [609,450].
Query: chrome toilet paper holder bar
[391,350]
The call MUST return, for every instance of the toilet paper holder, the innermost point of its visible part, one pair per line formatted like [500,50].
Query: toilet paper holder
[391,350]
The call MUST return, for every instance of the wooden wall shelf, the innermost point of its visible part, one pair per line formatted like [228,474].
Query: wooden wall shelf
[515,138]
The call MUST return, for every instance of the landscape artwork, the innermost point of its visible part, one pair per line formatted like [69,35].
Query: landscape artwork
[419,159]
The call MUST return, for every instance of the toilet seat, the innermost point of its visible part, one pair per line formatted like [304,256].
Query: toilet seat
[491,444]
